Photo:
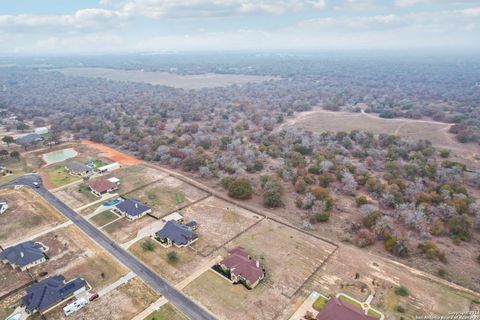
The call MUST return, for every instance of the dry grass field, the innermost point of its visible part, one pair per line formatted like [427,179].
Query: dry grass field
[188,260]
[135,177]
[382,276]
[122,303]
[290,257]
[437,132]
[76,195]
[209,80]
[73,254]
[8,304]
[12,279]
[27,215]
[218,222]
[124,230]
[167,195]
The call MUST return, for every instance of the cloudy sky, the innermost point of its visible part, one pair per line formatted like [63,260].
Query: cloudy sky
[96,26]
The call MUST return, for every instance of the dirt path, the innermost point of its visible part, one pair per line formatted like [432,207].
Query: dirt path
[112,154]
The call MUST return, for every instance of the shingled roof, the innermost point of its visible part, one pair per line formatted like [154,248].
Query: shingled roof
[48,292]
[23,253]
[101,185]
[77,167]
[240,264]
[177,233]
[132,207]
[337,309]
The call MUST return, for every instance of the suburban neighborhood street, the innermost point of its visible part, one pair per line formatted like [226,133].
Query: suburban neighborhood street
[174,296]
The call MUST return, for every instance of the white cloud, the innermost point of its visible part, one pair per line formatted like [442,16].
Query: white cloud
[471,12]
[217,8]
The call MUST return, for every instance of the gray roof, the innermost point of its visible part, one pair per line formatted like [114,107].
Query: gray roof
[77,167]
[23,253]
[2,203]
[49,292]
[176,232]
[132,207]
[28,139]
[192,224]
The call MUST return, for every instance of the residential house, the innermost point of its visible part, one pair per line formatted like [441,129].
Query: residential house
[78,169]
[24,255]
[132,209]
[242,268]
[109,167]
[337,308]
[175,233]
[48,293]
[101,186]
[29,139]
[3,206]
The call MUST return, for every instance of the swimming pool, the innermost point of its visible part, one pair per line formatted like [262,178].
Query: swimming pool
[59,155]
[15,317]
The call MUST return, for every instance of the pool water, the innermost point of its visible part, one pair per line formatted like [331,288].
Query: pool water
[59,155]
[15,317]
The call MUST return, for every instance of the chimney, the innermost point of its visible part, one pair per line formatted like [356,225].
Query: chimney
[22,254]
[257,264]
[136,205]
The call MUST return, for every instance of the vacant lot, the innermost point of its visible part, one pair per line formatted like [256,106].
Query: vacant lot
[122,303]
[12,279]
[208,80]
[167,312]
[27,215]
[436,132]
[134,177]
[156,258]
[218,222]
[167,195]
[290,257]
[103,218]
[76,195]
[382,276]
[124,230]
[73,254]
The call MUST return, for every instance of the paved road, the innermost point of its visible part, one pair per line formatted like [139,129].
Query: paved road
[182,302]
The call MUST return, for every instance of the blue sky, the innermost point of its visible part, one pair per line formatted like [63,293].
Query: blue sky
[98,26]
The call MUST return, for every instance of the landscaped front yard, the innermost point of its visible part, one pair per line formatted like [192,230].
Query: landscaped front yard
[155,256]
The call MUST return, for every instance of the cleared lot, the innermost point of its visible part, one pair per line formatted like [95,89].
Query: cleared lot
[290,258]
[134,177]
[27,215]
[122,303]
[12,279]
[73,254]
[218,223]
[167,195]
[382,276]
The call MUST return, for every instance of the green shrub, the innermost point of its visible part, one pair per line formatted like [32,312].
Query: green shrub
[402,291]
[400,309]
[459,227]
[240,189]
[323,216]
[148,245]
[361,200]
[172,256]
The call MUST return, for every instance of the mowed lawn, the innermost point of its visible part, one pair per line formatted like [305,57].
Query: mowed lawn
[57,176]
[103,218]
[166,312]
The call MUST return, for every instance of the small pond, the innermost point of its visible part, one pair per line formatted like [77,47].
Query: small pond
[59,155]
